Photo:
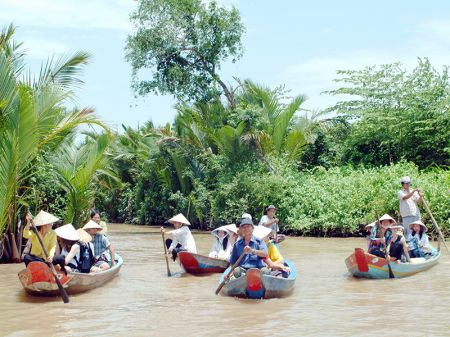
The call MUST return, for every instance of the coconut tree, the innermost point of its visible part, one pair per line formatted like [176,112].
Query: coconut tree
[33,119]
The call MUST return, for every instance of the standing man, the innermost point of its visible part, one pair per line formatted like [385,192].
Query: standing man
[408,203]
[271,222]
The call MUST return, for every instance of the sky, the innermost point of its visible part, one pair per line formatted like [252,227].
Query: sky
[297,43]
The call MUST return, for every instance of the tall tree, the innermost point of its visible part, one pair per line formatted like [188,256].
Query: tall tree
[183,43]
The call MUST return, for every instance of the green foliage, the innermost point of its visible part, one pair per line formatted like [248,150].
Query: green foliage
[183,42]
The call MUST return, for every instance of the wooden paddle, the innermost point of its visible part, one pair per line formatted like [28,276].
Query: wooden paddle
[425,203]
[62,291]
[391,274]
[226,278]
[165,255]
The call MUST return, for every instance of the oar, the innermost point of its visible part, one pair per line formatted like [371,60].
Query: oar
[62,291]
[225,279]
[165,254]
[391,274]
[425,203]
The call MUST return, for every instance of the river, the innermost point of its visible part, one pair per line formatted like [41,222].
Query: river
[143,301]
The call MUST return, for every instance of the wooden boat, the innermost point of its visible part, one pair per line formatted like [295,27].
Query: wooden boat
[198,264]
[37,279]
[256,285]
[362,264]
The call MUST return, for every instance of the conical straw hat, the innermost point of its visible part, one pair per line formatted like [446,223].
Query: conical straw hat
[387,217]
[179,218]
[231,228]
[44,218]
[67,232]
[370,226]
[84,236]
[92,225]
[215,232]
[261,232]
[418,222]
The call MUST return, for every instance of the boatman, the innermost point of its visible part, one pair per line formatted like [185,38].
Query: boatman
[408,203]
[255,250]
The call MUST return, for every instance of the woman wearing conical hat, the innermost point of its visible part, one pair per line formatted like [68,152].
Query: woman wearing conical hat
[418,240]
[182,239]
[383,236]
[222,245]
[43,222]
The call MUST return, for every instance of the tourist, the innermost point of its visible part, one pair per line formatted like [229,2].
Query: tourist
[221,247]
[408,203]
[254,249]
[274,260]
[182,239]
[271,222]
[418,240]
[103,249]
[43,223]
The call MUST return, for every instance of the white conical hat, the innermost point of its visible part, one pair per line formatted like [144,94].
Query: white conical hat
[44,218]
[261,232]
[68,232]
[370,226]
[387,217]
[179,218]
[84,236]
[231,228]
[92,225]
[418,222]
[215,232]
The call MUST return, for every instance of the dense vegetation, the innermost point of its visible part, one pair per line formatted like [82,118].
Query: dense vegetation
[230,149]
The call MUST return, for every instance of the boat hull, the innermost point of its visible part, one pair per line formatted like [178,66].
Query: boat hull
[37,279]
[257,286]
[198,264]
[364,265]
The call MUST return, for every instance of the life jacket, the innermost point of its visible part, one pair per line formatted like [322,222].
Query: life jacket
[86,260]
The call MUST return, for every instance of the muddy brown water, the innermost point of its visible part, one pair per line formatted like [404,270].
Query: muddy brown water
[143,301]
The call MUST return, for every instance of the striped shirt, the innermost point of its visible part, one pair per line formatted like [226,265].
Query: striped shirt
[101,244]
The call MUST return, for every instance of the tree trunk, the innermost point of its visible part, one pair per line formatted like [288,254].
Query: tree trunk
[7,250]
[228,94]
[14,251]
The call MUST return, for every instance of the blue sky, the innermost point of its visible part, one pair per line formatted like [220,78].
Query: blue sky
[297,43]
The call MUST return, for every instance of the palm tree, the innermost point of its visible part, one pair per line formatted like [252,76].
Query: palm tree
[32,119]
[79,169]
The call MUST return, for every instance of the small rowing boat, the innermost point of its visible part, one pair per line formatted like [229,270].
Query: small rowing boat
[37,279]
[362,264]
[198,264]
[256,285]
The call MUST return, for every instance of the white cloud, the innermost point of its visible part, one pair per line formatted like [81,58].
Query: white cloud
[105,14]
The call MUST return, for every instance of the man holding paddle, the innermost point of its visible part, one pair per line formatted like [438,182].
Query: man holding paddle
[408,203]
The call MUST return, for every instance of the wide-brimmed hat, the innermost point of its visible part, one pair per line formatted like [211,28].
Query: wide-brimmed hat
[418,222]
[271,207]
[92,225]
[44,218]
[405,180]
[261,232]
[179,218]
[68,232]
[387,217]
[246,221]
[84,236]
[215,232]
[231,228]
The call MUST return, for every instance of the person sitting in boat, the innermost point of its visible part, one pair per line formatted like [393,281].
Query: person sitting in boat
[418,242]
[103,249]
[271,222]
[43,223]
[254,250]
[369,228]
[77,252]
[399,249]
[182,239]
[274,260]
[95,216]
[221,247]
[382,237]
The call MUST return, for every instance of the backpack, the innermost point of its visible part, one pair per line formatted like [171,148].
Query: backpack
[86,258]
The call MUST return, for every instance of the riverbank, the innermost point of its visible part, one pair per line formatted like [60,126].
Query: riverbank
[143,301]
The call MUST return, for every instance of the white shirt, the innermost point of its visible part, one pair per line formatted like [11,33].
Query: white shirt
[183,236]
[424,244]
[265,219]
[217,250]
[408,207]
[64,253]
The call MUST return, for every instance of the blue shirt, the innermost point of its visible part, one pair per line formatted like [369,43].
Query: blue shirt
[249,260]
[101,243]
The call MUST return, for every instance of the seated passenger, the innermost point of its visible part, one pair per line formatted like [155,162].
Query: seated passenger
[103,250]
[77,255]
[418,240]
[221,247]
[182,239]
[399,248]
[382,236]
[254,250]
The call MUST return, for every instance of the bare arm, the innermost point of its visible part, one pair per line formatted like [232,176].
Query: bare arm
[113,255]
[73,251]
